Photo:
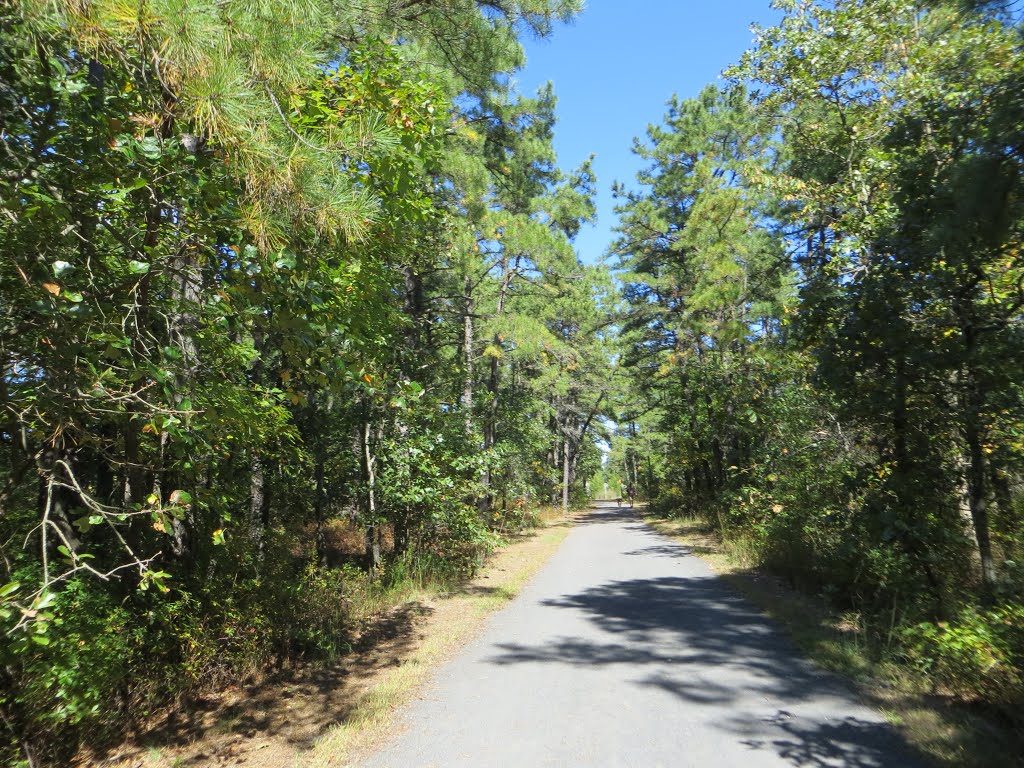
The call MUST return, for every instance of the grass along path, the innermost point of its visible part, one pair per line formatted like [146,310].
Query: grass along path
[950,732]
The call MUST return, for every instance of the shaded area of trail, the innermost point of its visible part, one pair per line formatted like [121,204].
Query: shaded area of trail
[627,651]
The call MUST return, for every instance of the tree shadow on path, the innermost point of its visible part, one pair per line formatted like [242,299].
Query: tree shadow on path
[662,550]
[691,637]
[607,512]
[676,621]
[849,742]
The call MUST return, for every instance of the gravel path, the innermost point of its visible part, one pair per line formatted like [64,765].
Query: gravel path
[625,650]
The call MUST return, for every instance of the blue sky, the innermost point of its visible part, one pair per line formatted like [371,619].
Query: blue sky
[615,68]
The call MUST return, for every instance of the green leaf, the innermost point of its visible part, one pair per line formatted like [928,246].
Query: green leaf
[150,147]
[138,267]
[157,578]
[73,87]
[9,588]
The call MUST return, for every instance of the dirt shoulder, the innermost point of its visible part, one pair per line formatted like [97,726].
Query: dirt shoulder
[326,715]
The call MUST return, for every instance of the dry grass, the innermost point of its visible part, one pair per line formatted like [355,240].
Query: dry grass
[951,733]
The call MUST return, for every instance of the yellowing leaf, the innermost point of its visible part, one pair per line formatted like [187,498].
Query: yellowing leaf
[52,288]
[181,498]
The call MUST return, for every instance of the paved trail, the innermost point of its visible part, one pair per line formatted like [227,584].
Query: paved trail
[627,651]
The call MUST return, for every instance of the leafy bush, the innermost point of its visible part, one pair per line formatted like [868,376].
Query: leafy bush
[324,620]
[979,655]
[102,662]
[105,661]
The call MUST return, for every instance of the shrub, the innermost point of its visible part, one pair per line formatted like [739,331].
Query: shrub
[74,677]
[979,655]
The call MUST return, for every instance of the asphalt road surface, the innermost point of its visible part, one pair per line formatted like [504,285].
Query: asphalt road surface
[625,650]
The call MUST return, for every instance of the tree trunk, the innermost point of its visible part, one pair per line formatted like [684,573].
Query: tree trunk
[565,475]
[56,499]
[977,470]
[372,535]
[412,305]
[467,355]
[135,475]
[978,492]
[493,380]
[320,535]
[901,429]
[258,505]
[555,453]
